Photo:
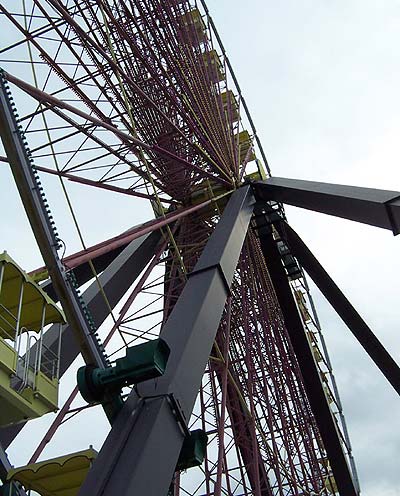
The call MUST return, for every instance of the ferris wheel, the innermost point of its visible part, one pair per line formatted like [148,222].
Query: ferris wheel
[195,330]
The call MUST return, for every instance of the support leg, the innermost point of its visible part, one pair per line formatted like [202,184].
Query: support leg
[140,454]
[314,389]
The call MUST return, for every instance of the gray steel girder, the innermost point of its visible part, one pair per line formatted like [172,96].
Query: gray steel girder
[140,454]
[42,224]
[83,273]
[376,207]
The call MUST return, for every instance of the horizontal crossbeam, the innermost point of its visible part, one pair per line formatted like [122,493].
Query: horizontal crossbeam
[376,207]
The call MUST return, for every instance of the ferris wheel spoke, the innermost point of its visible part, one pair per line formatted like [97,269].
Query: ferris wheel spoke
[47,99]
[91,44]
[104,185]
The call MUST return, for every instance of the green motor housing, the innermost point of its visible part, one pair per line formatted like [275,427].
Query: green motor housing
[142,362]
[193,450]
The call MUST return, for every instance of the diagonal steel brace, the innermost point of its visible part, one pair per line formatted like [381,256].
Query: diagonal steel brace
[343,307]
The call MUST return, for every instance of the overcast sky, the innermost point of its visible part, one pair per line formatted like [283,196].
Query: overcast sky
[322,81]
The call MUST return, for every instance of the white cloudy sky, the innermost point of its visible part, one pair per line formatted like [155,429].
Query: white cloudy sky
[322,82]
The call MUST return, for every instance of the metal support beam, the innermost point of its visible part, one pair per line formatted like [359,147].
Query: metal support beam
[140,454]
[313,385]
[115,281]
[38,213]
[376,207]
[83,272]
[343,307]
[240,425]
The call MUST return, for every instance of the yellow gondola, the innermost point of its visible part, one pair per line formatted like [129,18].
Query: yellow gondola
[28,382]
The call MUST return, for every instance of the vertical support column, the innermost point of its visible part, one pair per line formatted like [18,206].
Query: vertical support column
[59,351]
[19,310]
[314,389]
[38,362]
[1,275]
[140,454]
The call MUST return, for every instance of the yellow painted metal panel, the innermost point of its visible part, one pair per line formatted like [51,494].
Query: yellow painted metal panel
[28,404]
[301,303]
[194,26]
[47,390]
[245,143]
[331,485]
[17,407]
[316,353]
[260,174]
[14,407]
[8,357]
[214,66]
[230,104]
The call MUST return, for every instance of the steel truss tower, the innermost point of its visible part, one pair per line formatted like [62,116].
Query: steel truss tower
[138,98]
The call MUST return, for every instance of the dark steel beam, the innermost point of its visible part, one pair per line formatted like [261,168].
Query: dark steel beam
[312,382]
[83,272]
[38,213]
[376,207]
[140,454]
[343,307]
[115,281]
